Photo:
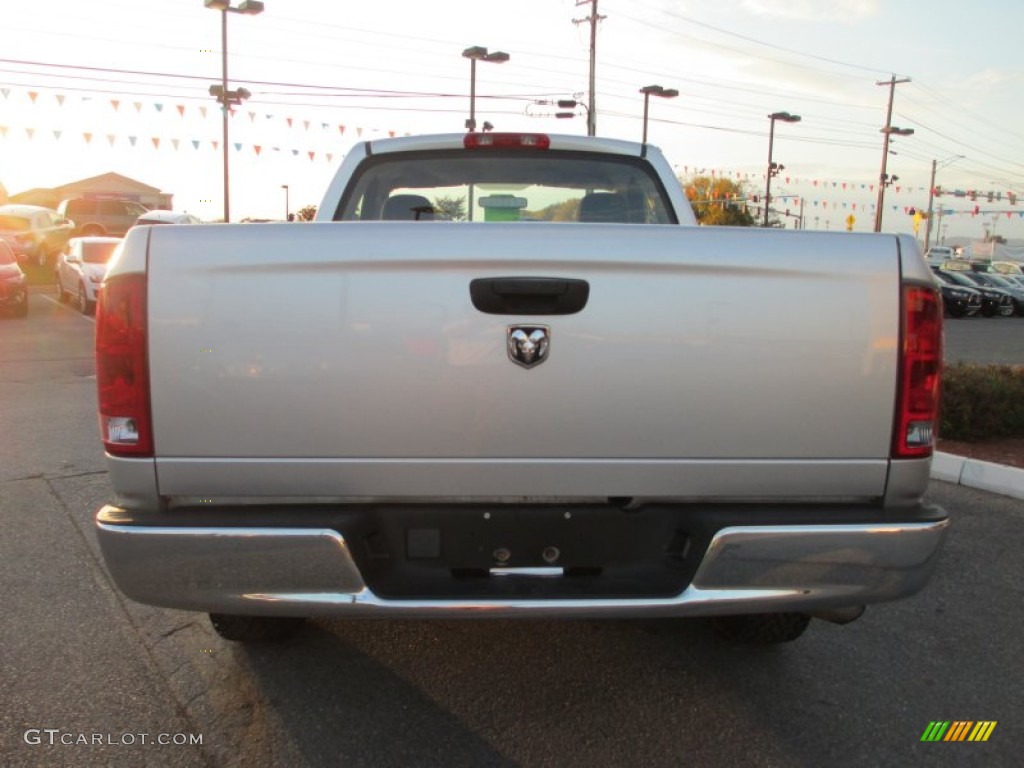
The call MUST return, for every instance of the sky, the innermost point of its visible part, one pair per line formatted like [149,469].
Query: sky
[121,85]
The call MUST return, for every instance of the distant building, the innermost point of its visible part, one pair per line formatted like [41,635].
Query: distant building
[107,185]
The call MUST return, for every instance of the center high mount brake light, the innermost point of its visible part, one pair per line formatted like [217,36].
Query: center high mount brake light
[506,141]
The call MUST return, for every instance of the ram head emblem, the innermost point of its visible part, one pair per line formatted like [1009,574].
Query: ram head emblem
[528,344]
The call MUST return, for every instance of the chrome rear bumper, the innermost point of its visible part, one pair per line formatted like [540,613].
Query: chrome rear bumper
[311,572]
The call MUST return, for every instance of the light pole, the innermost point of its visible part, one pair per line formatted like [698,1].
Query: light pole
[287,207]
[475,54]
[655,90]
[220,92]
[774,168]
[884,179]
[932,195]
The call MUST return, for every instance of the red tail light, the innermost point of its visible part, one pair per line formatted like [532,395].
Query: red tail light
[122,367]
[920,366]
[506,141]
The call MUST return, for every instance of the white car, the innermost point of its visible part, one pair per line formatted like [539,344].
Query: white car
[166,217]
[81,267]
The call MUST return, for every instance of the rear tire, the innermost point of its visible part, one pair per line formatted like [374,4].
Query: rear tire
[87,307]
[762,628]
[255,629]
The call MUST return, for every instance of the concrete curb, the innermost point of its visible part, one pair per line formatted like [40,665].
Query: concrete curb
[983,475]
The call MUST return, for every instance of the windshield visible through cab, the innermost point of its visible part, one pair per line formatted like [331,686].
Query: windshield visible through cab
[499,186]
[98,253]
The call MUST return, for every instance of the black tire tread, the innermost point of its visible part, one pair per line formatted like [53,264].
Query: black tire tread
[763,628]
[255,629]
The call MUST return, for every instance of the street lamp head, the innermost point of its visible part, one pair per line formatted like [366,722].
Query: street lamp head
[475,52]
[892,130]
[657,90]
[785,117]
[498,57]
[248,7]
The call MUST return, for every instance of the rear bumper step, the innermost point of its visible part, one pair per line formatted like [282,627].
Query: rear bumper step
[311,571]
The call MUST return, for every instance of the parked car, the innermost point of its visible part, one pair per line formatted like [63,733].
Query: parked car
[101,216]
[80,270]
[958,300]
[13,283]
[995,280]
[993,300]
[34,233]
[167,217]
[939,254]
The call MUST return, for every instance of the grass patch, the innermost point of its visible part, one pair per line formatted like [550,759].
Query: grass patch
[982,402]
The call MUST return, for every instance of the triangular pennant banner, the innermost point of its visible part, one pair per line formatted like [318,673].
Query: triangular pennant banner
[202,111]
[238,147]
[257,149]
[115,104]
[156,142]
[111,137]
[174,143]
[33,95]
[159,107]
[311,156]
[56,135]
[181,110]
[195,143]
[60,99]
[138,106]
[87,137]
[132,140]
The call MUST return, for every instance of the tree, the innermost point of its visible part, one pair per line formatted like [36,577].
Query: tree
[306,213]
[718,202]
[451,208]
[567,211]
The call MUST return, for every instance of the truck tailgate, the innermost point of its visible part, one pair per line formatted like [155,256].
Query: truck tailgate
[348,360]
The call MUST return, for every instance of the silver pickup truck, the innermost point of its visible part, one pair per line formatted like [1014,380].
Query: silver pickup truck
[507,375]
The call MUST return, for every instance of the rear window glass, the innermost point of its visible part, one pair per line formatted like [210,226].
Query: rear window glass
[494,186]
[14,223]
[97,253]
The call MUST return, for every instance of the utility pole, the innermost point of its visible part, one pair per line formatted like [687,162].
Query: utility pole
[593,19]
[931,197]
[887,130]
